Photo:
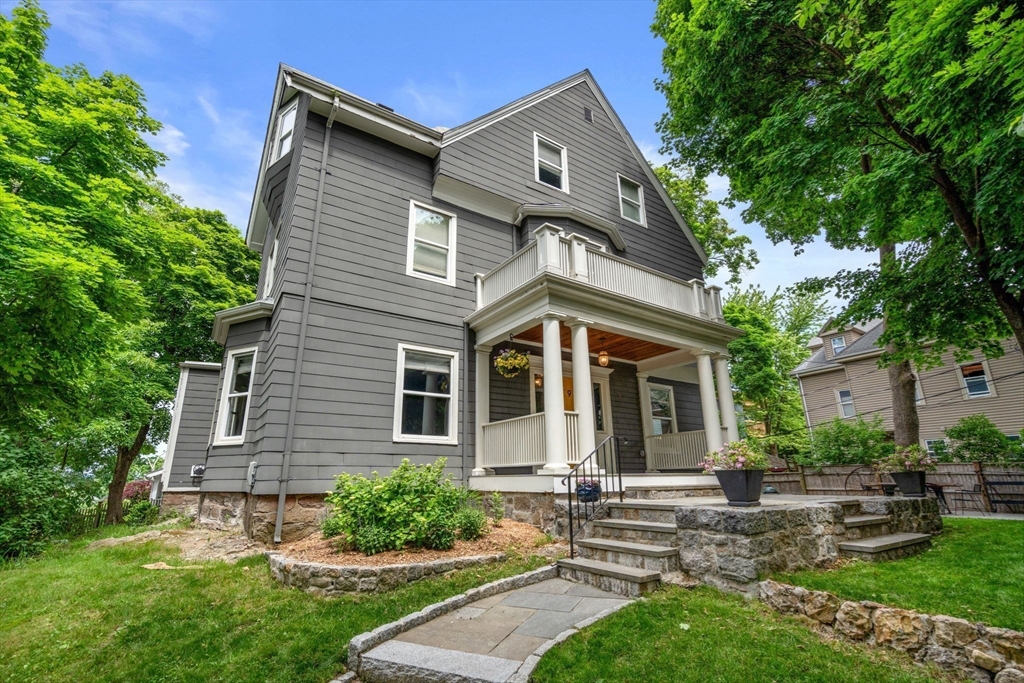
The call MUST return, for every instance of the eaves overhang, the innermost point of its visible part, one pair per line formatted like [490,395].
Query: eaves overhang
[816,371]
[223,320]
[579,215]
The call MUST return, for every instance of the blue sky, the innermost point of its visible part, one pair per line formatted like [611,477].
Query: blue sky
[208,71]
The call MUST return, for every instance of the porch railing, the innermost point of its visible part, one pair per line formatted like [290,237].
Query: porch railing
[519,441]
[577,258]
[679,450]
[590,485]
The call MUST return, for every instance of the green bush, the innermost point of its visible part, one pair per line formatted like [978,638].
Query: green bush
[976,438]
[415,505]
[141,513]
[471,523]
[36,500]
[848,442]
[497,507]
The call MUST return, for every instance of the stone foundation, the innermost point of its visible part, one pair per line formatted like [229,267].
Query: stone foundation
[223,510]
[972,650]
[672,492]
[302,517]
[184,504]
[536,508]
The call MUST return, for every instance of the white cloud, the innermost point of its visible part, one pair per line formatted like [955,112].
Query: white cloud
[229,193]
[652,153]
[171,141]
[435,104]
[208,109]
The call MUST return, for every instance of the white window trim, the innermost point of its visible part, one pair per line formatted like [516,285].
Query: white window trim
[536,162]
[919,391]
[268,277]
[988,380]
[930,450]
[832,343]
[840,404]
[452,234]
[643,204]
[222,413]
[293,105]
[672,404]
[453,398]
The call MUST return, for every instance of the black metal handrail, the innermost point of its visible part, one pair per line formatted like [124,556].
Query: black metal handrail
[600,475]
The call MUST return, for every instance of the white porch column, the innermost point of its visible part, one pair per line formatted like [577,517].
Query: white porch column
[645,411]
[708,404]
[483,406]
[725,403]
[554,405]
[583,387]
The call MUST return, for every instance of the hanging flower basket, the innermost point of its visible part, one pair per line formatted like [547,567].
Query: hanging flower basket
[509,363]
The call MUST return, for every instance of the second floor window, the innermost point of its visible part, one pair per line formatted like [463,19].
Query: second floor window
[551,161]
[838,345]
[234,401]
[845,400]
[975,380]
[284,131]
[431,244]
[631,200]
[268,279]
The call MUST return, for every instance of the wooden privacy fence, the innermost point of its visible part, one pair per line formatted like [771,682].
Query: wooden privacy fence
[91,517]
[837,480]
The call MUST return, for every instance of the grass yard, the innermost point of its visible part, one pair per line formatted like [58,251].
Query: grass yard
[975,570]
[85,616]
[702,636]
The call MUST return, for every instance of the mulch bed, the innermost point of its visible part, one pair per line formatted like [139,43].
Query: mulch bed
[510,536]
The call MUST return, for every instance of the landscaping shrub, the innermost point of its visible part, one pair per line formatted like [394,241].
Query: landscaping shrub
[471,523]
[36,501]
[976,438]
[415,505]
[497,507]
[848,442]
[141,513]
[137,490]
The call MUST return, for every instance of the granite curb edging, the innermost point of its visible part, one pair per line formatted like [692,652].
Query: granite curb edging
[371,639]
[326,580]
[978,652]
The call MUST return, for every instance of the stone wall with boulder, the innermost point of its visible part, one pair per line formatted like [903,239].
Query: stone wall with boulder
[973,650]
[183,503]
[529,507]
[326,580]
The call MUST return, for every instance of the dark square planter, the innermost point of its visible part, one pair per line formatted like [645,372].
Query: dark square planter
[910,484]
[741,487]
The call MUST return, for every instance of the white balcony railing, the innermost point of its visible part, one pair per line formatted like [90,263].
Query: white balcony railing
[519,442]
[678,451]
[577,258]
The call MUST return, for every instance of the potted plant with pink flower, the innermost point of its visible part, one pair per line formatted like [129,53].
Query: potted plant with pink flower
[740,468]
[907,466]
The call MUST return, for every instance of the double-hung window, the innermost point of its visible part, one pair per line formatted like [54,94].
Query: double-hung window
[284,131]
[844,397]
[838,345]
[426,394]
[268,278]
[551,162]
[935,447]
[975,380]
[663,409]
[631,201]
[234,400]
[431,253]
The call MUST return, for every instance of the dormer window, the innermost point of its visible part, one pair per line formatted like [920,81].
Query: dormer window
[631,200]
[284,131]
[838,345]
[551,161]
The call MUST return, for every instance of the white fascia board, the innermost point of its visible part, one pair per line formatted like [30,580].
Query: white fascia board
[197,365]
[256,230]
[222,320]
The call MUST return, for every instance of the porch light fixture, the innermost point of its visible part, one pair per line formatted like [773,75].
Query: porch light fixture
[603,359]
[538,380]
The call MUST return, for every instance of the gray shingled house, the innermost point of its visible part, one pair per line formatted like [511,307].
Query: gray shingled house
[399,259]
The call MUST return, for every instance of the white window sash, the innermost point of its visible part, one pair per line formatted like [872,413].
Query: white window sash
[840,347]
[280,135]
[562,170]
[452,396]
[226,395]
[641,205]
[651,388]
[268,280]
[966,383]
[450,248]
[845,403]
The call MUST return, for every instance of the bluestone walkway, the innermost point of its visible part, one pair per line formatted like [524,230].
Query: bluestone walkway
[489,640]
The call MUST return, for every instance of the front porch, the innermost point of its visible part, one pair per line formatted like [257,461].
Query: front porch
[639,357]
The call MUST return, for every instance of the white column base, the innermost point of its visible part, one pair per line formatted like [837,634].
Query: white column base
[481,472]
[555,470]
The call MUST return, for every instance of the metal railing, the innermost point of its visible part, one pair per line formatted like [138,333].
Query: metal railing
[601,467]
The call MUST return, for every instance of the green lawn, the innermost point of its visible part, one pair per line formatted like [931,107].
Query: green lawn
[704,636]
[975,570]
[84,616]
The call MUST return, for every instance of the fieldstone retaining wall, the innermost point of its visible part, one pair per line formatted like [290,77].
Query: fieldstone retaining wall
[536,508]
[978,652]
[327,579]
[731,548]
[185,504]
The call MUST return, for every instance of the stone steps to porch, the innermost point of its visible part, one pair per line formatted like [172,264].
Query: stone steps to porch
[614,578]
[643,511]
[866,520]
[636,555]
[886,547]
[866,526]
[654,533]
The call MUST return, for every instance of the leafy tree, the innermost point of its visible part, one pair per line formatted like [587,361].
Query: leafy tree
[976,438]
[848,442]
[874,123]
[724,246]
[777,328]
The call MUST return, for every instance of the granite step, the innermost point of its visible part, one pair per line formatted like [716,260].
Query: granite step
[614,578]
[412,663]
[643,511]
[887,547]
[624,553]
[860,527]
[653,533]
[866,520]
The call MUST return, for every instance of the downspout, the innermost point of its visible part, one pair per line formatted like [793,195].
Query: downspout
[282,482]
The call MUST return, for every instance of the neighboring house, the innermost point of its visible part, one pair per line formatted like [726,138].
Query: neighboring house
[842,378]
[399,259]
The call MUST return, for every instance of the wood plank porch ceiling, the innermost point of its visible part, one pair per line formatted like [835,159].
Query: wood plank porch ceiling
[617,345]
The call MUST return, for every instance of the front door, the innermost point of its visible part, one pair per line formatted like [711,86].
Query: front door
[602,402]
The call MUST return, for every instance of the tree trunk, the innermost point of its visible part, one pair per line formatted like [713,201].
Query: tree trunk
[902,382]
[125,457]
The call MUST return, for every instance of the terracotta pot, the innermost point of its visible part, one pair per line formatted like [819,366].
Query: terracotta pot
[741,487]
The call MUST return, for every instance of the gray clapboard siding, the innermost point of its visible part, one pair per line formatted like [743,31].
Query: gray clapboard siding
[193,433]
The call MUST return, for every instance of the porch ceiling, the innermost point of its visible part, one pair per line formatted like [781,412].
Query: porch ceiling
[617,345]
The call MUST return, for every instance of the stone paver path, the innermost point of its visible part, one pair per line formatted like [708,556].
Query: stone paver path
[488,640]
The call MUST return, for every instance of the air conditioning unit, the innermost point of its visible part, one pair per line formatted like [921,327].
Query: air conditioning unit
[198,471]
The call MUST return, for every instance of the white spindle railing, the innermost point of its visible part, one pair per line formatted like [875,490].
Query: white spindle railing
[678,451]
[519,442]
[581,260]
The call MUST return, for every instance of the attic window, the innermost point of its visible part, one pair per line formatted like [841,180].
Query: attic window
[631,200]
[588,115]
[284,131]
[838,345]
[551,163]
